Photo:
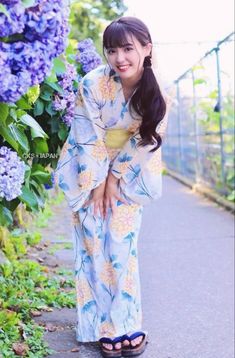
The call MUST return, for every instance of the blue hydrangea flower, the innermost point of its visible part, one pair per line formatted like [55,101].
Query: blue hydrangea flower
[12,170]
[44,29]
[65,102]
[86,45]
[88,56]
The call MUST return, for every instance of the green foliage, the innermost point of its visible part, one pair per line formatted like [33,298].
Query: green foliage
[87,17]
[211,121]
[43,216]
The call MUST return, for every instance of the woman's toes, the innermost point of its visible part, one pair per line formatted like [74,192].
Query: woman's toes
[108,346]
[118,345]
[136,341]
[126,343]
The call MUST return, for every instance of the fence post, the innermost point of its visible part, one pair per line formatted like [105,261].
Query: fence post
[196,131]
[222,156]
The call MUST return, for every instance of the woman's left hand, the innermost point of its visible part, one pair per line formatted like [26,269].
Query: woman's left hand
[112,194]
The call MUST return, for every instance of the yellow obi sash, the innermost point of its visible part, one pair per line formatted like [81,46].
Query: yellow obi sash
[116,138]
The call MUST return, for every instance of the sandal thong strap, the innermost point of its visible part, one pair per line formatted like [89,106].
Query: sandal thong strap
[133,336]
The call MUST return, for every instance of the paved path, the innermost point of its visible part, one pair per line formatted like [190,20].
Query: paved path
[186,261]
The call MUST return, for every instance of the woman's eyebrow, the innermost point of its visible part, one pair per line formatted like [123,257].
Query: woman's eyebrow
[127,44]
[124,45]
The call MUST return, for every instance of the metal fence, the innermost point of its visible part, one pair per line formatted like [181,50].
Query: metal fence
[200,137]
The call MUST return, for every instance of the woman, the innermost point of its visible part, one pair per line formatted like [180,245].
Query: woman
[110,166]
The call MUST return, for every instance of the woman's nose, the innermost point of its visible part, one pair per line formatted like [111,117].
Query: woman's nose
[120,56]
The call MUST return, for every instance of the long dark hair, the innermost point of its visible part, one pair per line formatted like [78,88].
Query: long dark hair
[147,101]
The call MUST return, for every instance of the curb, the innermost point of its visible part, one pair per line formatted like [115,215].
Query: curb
[203,190]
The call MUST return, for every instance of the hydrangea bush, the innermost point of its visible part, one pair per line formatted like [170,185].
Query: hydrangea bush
[35,120]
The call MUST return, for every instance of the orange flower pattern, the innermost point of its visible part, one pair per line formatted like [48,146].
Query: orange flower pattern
[85,179]
[122,221]
[99,150]
[107,88]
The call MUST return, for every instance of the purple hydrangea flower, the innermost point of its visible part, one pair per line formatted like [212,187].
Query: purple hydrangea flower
[86,45]
[44,28]
[14,22]
[65,102]
[12,171]
[88,57]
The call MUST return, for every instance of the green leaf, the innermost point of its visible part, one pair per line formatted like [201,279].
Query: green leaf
[28,3]
[40,145]
[55,86]
[13,114]
[23,104]
[4,110]
[50,110]
[33,94]
[19,136]
[36,129]
[46,95]
[59,66]
[3,10]
[29,198]
[5,216]
[63,133]
[38,108]
[199,81]
[6,134]
[39,174]
[52,77]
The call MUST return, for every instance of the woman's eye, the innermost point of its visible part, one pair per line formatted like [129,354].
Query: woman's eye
[128,49]
[110,51]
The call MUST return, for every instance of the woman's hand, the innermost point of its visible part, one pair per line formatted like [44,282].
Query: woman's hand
[112,194]
[97,198]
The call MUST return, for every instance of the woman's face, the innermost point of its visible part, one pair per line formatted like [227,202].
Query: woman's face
[127,61]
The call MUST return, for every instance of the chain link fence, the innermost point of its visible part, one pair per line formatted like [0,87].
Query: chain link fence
[200,138]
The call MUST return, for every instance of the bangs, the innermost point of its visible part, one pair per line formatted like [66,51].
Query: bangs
[116,35]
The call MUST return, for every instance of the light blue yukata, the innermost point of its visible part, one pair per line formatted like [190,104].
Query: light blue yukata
[103,138]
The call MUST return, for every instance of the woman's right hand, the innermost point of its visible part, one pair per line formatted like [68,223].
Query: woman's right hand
[112,194]
[97,198]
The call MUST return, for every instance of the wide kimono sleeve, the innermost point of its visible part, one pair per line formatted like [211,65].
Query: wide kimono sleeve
[139,170]
[83,164]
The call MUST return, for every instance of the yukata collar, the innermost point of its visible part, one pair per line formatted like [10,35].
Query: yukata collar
[114,75]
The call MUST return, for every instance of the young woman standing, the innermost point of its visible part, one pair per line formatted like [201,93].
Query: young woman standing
[110,166]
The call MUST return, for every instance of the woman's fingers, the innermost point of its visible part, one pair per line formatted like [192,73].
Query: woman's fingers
[86,204]
[99,208]
[113,205]
[122,200]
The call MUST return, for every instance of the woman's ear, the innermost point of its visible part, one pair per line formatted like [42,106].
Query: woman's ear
[149,47]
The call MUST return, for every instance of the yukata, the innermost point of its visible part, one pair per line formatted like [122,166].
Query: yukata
[103,138]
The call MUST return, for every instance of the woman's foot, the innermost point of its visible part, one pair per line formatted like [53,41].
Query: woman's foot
[111,347]
[134,344]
